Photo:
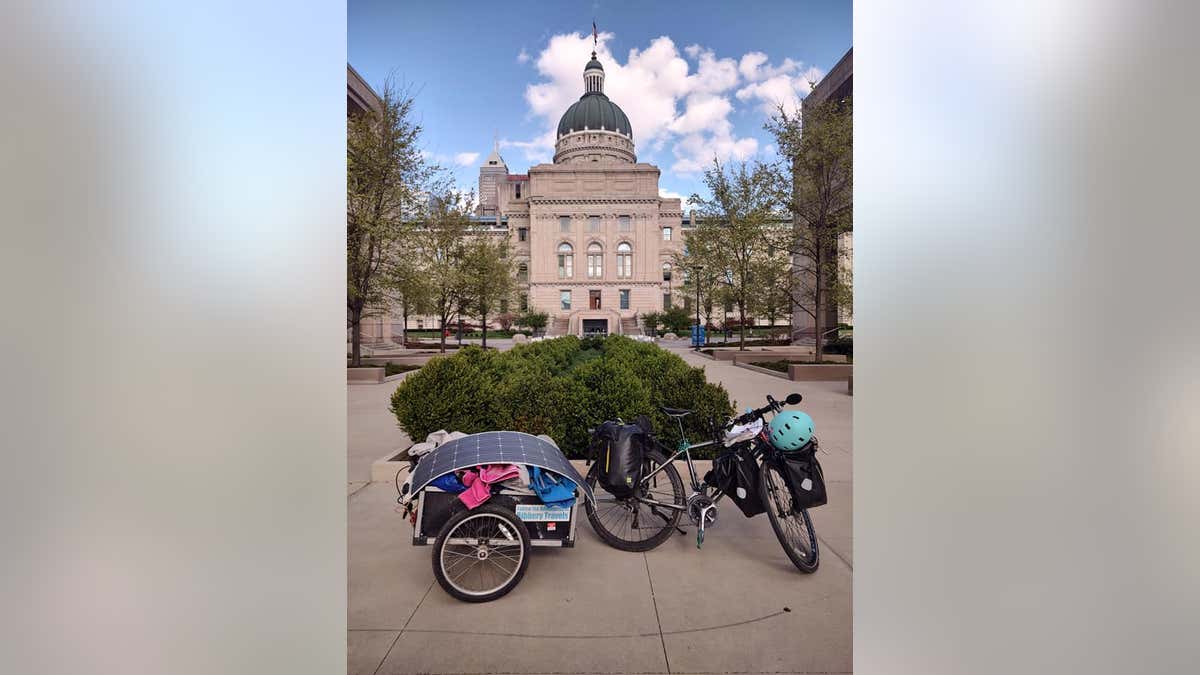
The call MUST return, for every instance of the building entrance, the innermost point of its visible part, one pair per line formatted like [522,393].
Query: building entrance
[595,326]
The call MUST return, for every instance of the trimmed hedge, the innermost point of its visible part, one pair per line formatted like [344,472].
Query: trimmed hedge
[561,388]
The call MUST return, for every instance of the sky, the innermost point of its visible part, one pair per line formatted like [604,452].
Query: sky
[697,79]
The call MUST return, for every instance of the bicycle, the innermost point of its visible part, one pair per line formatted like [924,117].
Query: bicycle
[646,519]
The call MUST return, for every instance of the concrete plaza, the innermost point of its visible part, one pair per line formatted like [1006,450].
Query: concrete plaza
[737,606]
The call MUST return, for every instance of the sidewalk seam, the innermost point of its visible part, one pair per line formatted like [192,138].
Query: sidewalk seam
[406,622]
[663,640]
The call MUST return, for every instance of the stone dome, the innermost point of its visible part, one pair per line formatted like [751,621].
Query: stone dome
[593,111]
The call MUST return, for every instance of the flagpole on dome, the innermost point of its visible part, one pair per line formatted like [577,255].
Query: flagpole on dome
[595,38]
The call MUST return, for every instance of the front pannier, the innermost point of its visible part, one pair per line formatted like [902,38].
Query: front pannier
[805,480]
[736,475]
[619,451]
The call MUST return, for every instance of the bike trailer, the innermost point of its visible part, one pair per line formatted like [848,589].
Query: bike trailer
[481,554]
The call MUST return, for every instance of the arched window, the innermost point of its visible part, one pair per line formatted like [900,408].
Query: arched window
[522,272]
[666,271]
[624,260]
[595,261]
[566,261]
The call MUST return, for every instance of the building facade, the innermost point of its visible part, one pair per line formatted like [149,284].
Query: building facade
[838,85]
[591,235]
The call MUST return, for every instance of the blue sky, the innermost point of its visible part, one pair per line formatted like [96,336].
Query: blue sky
[695,78]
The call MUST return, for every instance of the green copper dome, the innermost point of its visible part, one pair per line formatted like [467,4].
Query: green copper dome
[594,111]
[593,63]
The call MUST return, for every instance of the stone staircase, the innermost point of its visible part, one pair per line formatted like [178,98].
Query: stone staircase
[629,326]
[558,326]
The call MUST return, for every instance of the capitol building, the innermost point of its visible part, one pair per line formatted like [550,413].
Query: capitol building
[591,236]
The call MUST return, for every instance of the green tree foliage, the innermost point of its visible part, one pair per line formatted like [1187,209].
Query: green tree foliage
[677,320]
[815,182]
[488,278]
[441,247]
[650,321]
[559,387]
[385,173]
[744,198]
[534,321]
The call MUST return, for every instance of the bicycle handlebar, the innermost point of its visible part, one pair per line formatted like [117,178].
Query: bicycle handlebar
[771,406]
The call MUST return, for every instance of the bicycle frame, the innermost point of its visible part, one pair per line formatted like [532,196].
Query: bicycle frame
[685,448]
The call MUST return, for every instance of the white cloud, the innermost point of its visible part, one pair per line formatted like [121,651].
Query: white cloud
[752,67]
[466,158]
[779,89]
[676,100]
[523,57]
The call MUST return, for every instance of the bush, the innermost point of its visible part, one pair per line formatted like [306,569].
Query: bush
[841,345]
[561,388]
[677,320]
[390,368]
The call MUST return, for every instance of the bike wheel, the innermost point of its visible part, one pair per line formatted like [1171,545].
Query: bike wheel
[481,554]
[629,524]
[793,527]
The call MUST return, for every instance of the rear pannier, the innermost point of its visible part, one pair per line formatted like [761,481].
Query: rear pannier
[619,451]
[805,479]
[736,475]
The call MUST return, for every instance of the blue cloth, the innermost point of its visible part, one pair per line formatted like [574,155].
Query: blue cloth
[553,489]
[448,482]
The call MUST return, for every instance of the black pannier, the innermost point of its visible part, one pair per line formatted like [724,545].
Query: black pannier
[736,475]
[619,451]
[805,479]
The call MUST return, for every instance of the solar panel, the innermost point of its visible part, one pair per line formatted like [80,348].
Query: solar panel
[494,447]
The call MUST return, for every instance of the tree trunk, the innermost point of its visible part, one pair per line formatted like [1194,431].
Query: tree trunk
[404,328]
[483,327]
[356,311]
[741,326]
[442,335]
[818,301]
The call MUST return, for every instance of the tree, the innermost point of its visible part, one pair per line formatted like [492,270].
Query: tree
[774,279]
[743,200]
[487,277]
[534,321]
[650,321]
[441,242]
[677,320]
[505,320]
[411,288]
[384,173]
[815,182]
[701,261]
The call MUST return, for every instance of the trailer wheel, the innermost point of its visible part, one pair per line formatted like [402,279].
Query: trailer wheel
[481,554]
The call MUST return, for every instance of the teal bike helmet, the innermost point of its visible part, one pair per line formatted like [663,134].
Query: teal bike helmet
[790,430]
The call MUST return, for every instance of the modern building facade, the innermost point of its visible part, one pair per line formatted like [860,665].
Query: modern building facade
[838,85]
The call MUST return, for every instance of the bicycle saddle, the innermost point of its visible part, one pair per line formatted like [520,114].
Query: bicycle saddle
[676,412]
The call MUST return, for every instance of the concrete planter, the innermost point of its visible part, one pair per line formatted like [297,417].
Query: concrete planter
[364,375]
[826,372]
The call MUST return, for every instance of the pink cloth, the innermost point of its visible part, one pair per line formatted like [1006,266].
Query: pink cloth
[479,482]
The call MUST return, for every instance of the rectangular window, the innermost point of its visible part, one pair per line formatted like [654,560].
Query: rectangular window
[666,301]
[522,233]
[624,298]
[564,223]
[593,223]
[626,223]
[666,234]
[566,265]
[524,302]
[595,265]
[518,190]
[565,299]
[503,305]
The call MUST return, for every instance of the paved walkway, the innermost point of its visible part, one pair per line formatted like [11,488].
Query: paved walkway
[738,605]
